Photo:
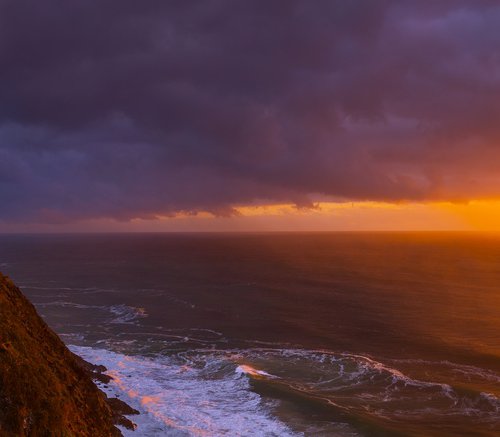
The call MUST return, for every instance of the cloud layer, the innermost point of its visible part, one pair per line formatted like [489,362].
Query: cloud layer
[124,109]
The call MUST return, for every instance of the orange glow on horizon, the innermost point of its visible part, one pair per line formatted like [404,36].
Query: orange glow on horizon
[481,215]
[477,215]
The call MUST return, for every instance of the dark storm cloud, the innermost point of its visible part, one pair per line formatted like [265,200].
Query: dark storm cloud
[130,109]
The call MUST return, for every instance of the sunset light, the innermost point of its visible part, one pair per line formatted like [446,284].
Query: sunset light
[251,218]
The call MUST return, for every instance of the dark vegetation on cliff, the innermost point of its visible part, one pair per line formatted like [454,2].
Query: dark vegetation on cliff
[46,390]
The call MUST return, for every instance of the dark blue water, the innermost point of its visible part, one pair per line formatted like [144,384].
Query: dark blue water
[280,334]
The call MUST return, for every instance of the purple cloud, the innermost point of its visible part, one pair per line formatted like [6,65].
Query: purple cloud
[126,109]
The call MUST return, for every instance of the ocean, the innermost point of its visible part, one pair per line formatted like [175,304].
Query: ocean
[279,334]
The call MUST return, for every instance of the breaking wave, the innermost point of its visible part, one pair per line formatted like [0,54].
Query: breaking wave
[225,392]
[184,399]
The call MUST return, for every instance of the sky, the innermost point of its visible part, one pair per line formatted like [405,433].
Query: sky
[213,115]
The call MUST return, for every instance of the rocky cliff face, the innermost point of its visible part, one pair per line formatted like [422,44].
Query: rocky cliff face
[45,390]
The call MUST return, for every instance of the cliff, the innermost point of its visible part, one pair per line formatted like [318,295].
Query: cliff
[46,390]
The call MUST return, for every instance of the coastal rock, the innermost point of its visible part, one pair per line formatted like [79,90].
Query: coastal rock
[46,390]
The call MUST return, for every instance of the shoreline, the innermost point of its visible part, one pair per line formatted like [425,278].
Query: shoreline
[46,389]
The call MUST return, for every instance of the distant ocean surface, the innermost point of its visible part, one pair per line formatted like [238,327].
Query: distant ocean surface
[319,334]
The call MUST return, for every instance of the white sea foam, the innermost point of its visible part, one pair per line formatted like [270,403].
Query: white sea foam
[249,370]
[464,370]
[361,378]
[58,291]
[120,314]
[178,399]
[64,304]
[166,296]
[125,314]
[35,287]
[368,364]
[209,391]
